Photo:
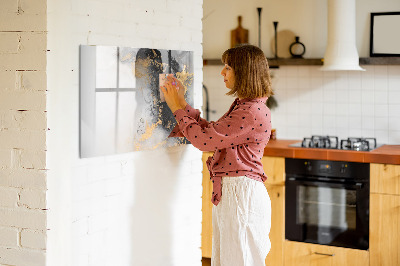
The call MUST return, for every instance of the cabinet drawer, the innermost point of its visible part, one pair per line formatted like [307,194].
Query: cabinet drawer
[297,254]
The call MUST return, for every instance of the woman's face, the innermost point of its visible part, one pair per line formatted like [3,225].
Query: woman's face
[229,76]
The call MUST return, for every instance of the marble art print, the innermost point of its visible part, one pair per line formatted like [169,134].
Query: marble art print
[121,107]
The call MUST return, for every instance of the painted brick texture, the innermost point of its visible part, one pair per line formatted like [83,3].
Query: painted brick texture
[23,128]
[140,208]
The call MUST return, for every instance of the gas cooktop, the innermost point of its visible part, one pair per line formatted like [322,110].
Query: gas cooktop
[332,142]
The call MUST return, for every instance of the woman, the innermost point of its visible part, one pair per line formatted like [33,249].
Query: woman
[242,208]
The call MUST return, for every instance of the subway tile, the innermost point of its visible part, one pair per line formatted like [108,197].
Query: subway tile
[382,136]
[316,83]
[329,109]
[394,137]
[329,122]
[355,132]
[317,120]
[381,123]
[328,74]
[342,81]
[381,84]
[394,123]
[380,97]
[342,122]
[291,71]
[355,122]
[367,122]
[354,82]
[317,95]
[316,72]
[342,96]
[367,83]
[304,72]
[280,72]
[367,96]
[292,82]
[394,97]
[380,71]
[394,71]
[329,94]
[317,107]
[381,110]
[303,82]
[304,109]
[355,96]
[316,131]
[342,109]
[305,95]
[394,110]
[394,83]
[367,133]
[342,133]
[367,110]
[355,109]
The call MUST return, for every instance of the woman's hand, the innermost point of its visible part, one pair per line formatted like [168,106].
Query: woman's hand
[181,90]
[174,94]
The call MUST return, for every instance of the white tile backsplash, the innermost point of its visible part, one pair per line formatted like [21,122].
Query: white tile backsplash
[342,103]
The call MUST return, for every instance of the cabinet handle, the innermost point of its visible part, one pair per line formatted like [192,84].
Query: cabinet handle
[324,254]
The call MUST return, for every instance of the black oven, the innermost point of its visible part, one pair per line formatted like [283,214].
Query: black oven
[327,202]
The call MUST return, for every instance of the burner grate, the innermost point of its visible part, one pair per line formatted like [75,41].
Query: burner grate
[358,144]
[327,142]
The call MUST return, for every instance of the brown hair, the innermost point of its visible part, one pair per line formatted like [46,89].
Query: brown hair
[250,66]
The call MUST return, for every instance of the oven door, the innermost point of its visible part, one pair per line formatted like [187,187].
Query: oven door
[327,213]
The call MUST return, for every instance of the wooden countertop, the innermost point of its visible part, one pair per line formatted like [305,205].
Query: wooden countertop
[389,154]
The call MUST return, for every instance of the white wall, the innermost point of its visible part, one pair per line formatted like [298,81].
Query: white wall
[311,102]
[23,133]
[306,19]
[140,208]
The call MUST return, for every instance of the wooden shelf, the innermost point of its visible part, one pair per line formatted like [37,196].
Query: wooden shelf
[380,61]
[274,63]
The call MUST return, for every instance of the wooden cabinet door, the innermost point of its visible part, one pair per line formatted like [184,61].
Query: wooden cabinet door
[384,237]
[304,254]
[206,226]
[385,178]
[274,168]
[277,233]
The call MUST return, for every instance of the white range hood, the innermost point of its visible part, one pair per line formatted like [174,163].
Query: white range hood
[341,51]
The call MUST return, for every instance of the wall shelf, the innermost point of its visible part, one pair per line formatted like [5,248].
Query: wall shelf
[380,61]
[274,63]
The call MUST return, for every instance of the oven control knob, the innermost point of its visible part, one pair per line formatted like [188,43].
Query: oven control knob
[308,166]
[343,168]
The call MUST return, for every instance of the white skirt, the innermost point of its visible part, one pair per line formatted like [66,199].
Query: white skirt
[241,223]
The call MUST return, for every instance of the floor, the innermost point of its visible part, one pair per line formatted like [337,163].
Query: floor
[206,261]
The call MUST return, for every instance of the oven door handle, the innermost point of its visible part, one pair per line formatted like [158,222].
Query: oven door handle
[357,185]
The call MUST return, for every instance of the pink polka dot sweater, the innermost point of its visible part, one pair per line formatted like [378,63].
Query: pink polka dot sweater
[238,139]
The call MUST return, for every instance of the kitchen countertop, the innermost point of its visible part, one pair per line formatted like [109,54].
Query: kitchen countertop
[389,154]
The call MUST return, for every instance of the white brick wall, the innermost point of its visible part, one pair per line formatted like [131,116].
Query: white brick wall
[23,132]
[140,208]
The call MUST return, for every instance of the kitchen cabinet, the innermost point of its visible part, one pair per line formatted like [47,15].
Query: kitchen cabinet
[206,225]
[385,178]
[274,168]
[385,214]
[305,254]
